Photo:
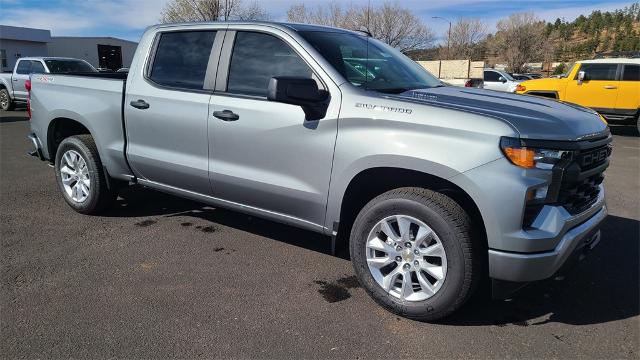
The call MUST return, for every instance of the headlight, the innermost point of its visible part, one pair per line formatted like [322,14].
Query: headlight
[529,158]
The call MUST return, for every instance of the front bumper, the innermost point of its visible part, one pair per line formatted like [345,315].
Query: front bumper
[525,267]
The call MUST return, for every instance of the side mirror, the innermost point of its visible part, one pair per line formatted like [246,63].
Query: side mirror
[299,91]
[581,77]
[502,79]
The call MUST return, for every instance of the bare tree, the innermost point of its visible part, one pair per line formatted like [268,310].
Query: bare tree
[211,10]
[466,39]
[398,27]
[253,11]
[330,14]
[391,23]
[520,39]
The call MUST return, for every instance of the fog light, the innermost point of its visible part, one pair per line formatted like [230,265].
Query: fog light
[536,198]
[541,193]
[537,194]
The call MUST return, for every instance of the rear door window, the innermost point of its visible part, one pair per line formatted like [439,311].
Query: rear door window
[599,71]
[181,59]
[24,67]
[631,73]
[258,57]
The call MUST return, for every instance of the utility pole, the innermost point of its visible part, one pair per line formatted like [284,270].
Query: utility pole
[448,36]
[368,16]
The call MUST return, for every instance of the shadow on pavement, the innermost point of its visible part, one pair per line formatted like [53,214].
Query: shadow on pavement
[10,119]
[602,288]
[137,201]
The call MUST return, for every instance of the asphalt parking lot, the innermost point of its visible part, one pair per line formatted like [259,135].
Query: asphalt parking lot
[162,277]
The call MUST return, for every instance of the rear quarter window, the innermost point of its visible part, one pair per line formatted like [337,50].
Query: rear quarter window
[631,73]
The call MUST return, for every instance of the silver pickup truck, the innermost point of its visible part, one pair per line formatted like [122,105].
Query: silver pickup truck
[12,85]
[432,187]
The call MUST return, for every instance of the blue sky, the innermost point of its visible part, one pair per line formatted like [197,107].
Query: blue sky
[128,18]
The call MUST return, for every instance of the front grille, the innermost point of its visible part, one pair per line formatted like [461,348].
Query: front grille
[592,158]
[578,196]
[581,179]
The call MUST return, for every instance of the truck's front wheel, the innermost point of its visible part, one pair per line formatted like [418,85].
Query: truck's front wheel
[412,251]
[5,100]
[80,175]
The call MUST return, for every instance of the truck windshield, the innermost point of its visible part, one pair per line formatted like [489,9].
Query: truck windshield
[59,66]
[370,64]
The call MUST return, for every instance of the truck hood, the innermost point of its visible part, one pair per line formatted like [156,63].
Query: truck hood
[533,117]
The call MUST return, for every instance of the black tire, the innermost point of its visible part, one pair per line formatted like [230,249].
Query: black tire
[453,227]
[638,123]
[100,197]
[9,104]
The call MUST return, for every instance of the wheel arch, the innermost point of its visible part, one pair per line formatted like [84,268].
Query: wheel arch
[61,128]
[360,190]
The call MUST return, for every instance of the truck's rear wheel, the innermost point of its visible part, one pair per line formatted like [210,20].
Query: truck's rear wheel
[412,251]
[5,100]
[80,175]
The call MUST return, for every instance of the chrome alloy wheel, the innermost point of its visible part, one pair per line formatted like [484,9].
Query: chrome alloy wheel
[406,258]
[4,100]
[75,176]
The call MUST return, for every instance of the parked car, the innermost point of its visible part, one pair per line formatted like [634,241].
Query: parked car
[432,186]
[12,85]
[466,82]
[534,75]
[521,77]
[499,80]
[608,86]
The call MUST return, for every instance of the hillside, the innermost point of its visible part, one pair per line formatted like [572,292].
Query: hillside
[600,33]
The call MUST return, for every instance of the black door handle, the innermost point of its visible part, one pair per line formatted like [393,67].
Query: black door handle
[226,115]
[140,104]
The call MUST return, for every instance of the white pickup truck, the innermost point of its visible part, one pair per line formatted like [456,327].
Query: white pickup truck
[500,81]
[12,85]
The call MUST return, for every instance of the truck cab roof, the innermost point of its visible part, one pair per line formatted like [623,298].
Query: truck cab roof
[611,61]
[47,58]
[297,27]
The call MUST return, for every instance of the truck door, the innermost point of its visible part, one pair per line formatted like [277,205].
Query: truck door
[265,154]
[23,69]
[166,107]
[598,90]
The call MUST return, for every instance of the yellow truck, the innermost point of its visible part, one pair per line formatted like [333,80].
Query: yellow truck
[609,86]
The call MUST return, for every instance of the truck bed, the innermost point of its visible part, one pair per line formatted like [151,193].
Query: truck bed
[92,99]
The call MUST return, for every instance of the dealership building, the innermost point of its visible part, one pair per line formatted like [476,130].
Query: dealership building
[101,52]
